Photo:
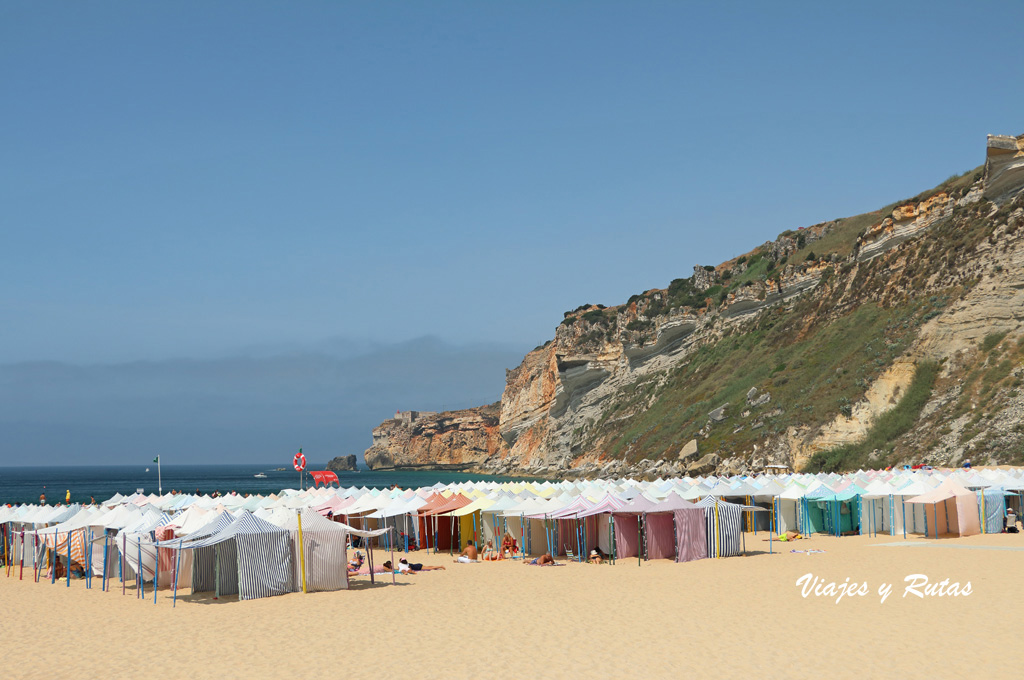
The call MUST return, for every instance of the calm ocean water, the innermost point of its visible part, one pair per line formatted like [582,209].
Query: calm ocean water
[24,484]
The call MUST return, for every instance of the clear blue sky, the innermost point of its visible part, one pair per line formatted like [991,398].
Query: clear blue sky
[182,178]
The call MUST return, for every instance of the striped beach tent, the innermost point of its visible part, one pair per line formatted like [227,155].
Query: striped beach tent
[251,558]
[722,526]
[320,556]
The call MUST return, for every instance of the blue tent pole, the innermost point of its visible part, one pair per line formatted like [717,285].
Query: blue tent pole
[106,539]
[53,559]
[174,601]
[579,542]
[903,502]
[88,562]
[141,574]
[67,567]
[156,573]
[935,511]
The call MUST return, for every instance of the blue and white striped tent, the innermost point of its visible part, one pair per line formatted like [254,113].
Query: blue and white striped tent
[251,557]
[723,525]
[204,565]
[323,552]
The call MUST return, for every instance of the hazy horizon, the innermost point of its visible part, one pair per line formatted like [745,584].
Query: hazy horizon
[235,228]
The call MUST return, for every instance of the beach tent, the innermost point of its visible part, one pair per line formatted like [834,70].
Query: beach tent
[627,526]
[251,557]
[319,552]
[721,526]
[953,509]
[992,504]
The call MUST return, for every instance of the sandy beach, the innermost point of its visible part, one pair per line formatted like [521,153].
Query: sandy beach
[741,617]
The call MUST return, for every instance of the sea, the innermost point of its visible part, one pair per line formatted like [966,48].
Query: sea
[100,482]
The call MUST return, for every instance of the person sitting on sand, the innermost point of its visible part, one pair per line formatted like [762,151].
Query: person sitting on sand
[490,554]
[468,554]
[57,570]
[544,560]
[356,563]
[595,557]
[404,567]
[508,546]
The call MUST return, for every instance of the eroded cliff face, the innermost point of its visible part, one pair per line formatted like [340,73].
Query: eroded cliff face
[597,398]
[451,440]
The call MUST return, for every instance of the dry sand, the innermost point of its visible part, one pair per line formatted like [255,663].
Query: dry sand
[740,617]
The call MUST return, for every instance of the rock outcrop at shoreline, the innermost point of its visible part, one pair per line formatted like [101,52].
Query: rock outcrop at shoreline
[789,354]
[342,464]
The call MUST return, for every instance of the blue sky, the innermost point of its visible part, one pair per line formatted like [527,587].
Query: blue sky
[183,179]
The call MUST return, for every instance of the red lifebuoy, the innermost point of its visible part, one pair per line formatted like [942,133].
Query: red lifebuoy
[299,461]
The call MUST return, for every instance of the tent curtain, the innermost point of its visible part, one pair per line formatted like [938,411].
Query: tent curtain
[691,535]
[659,529]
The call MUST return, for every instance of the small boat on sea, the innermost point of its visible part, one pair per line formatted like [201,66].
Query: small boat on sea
[260,475]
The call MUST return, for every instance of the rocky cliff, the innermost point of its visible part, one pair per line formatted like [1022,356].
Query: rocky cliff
[793,353]
[454,440]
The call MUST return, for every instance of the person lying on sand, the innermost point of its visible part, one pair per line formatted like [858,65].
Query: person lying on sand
[788,536]
[468,554]
[543,561]
[404,567]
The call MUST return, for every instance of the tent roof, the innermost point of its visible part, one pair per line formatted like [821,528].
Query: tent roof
[949,488]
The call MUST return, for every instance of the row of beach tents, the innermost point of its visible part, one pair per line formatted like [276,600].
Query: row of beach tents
[258,546]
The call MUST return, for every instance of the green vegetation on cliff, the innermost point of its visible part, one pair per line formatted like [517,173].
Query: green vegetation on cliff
[884,432]
[811,374]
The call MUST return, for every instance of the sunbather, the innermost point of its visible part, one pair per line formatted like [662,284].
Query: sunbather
[490,554]
[404,567]
[508,546]
[468,554]
[543,561]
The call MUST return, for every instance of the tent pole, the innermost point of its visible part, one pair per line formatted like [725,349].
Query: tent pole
[53,559]
[92,540]
[156,573]
[177,566]
[106,539]
[392,563]
[21,569]
[35,554]
[302,551]
[369,559]
[141,575]
[903,503]
[124,548]
[216,571]
[718,536]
